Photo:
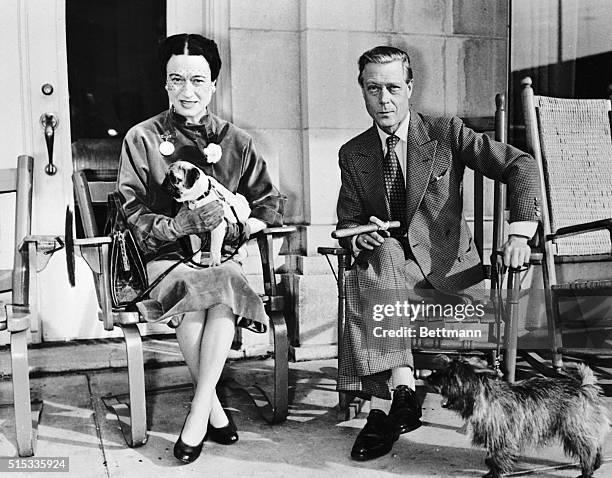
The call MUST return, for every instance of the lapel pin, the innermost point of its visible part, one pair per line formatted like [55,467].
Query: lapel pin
[166,148]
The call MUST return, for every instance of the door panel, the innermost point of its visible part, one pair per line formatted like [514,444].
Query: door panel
[37,37]
[111,75]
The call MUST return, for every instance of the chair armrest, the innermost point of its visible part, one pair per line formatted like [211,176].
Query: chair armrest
[92,250]
[266,253]
[534,258]
[333,251]
[44,243]
[581,229]
[277,231]
[93,241]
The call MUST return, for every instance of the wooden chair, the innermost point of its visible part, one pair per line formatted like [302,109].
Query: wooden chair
[91,188]
[572,143]
[21,314]
[496,125]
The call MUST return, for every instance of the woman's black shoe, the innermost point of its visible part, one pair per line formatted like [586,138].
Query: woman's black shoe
[187,453]
[225,435]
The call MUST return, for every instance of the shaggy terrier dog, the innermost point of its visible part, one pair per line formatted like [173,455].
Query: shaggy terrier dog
[506,418]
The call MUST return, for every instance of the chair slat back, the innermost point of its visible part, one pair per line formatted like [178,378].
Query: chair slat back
[576,149]
[88,193]
[95,163]
[8,180]
[496,127]
[19,181]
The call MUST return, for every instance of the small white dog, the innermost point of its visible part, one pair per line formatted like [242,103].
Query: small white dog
[186,183]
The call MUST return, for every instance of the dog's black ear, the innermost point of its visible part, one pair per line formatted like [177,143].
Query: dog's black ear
[191,177]
[442,360]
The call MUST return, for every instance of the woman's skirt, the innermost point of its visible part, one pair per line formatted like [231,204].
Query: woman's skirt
[189,288]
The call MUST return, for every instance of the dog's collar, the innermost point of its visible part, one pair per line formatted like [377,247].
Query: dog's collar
[205,193]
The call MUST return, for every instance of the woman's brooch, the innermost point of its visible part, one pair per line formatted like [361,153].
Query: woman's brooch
[166,148]
[213,153]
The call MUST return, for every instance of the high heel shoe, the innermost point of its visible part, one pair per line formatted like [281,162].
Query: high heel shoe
[187,453]
[226,435]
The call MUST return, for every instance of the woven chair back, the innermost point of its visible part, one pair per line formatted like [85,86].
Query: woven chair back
[577,154]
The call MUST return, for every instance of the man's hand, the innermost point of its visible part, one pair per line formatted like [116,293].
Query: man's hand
[371,240]
[374,239]
[516,251]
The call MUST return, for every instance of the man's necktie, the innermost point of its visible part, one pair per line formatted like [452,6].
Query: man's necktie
[395,185]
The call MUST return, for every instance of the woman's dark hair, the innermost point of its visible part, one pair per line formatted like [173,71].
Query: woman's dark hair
[190,44]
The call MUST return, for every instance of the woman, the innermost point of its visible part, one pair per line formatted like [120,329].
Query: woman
[184,132]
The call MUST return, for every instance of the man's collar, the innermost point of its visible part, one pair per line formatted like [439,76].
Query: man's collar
[401,132]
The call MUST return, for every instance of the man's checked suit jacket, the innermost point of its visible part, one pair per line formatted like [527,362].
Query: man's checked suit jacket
[439,149]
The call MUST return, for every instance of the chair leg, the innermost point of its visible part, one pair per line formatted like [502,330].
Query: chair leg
[349,406]
[280,399]
[514,289]
[344,399]
[25,426]
[133,417]
[554,331]
[276,408]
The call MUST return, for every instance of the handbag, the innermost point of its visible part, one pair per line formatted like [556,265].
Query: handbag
[128,274]
[129,283]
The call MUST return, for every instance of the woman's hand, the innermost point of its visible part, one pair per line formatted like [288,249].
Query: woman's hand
[205,218]
[237,233]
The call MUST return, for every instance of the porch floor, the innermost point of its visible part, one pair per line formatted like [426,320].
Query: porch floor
[73,378]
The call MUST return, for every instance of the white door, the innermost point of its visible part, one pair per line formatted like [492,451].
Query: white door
[89,60]
[35,86]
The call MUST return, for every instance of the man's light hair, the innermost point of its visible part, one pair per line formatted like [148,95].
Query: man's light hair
[385,54]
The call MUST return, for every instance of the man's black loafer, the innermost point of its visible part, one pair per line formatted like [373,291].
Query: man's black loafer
[375,439]
[405,412]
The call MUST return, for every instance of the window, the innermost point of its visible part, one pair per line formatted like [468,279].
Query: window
[114,75]
[565,46]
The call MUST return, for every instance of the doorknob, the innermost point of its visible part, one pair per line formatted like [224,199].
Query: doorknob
[49,123]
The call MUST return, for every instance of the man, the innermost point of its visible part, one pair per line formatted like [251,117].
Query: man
[409,167]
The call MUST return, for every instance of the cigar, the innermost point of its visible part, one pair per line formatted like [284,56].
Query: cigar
[353,231]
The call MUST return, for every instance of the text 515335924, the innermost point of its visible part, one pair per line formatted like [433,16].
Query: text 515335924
[33,464]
